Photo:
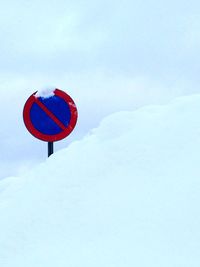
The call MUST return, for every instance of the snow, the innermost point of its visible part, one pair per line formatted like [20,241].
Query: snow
[127,195]
[45,92]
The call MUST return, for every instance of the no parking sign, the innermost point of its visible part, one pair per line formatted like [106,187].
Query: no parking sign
[50,118]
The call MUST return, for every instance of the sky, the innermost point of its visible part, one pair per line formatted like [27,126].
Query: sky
[108,55]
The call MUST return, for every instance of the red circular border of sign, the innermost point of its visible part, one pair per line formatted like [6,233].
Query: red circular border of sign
[45,137]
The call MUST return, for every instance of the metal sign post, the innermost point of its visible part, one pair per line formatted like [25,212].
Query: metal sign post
[50,148]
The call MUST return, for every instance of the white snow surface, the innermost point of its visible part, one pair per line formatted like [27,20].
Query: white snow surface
[127,195]
[45,92]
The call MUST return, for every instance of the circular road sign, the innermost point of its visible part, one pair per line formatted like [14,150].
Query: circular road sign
[50,118]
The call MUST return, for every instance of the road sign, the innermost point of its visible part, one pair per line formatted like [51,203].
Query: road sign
[50,118]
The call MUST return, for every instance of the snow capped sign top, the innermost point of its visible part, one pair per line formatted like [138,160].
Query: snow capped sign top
[50,115]
[45,93]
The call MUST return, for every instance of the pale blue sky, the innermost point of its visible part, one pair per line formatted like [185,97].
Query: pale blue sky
[109,55]
[152,38]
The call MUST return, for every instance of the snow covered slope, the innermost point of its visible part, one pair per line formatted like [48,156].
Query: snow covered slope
[125,196]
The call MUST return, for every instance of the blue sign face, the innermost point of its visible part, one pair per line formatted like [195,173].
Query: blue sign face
[50,119]
[43,122]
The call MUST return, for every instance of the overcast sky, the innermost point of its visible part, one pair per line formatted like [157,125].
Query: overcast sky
[108,55]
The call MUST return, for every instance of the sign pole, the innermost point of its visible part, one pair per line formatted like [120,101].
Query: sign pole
[50,148]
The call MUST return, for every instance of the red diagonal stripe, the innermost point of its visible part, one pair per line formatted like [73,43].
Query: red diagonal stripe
[50,114]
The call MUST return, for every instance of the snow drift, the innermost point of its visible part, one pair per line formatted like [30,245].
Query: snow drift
[127,195]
